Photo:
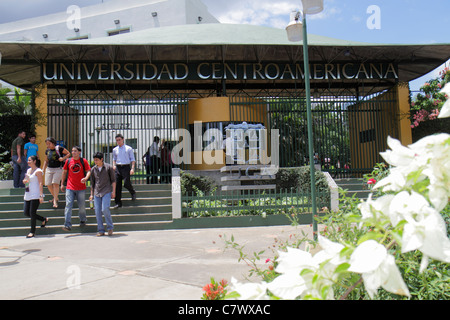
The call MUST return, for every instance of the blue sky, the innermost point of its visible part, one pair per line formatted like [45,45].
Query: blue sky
[400,21]
[395,21]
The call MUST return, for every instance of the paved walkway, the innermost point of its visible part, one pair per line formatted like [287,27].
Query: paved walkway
[150,265]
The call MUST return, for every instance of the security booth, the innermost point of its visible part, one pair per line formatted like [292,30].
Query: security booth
[162,82]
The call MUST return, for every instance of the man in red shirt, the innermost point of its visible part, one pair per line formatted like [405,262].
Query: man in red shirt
[75,169]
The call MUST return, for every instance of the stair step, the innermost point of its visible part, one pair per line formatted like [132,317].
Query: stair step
[126,195]
[151,210]
[354,186]
[8,206]
[137,187]
[146,217]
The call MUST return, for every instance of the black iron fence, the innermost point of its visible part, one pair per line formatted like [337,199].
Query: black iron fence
[251,202]
[349,133]
[93,121]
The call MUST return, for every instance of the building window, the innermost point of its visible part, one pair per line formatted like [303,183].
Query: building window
[118,31]
[367,136]
[78,38]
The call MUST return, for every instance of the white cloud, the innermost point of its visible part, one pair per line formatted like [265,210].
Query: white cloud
[263,12]
[356,18]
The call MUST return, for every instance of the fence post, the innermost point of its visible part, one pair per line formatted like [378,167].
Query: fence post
[176,194]
[334,193]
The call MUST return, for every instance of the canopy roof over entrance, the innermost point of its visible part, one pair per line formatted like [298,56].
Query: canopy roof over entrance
[208,45]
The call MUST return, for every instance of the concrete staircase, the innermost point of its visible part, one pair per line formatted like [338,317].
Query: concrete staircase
[354,187]
[152,210]
[243,177]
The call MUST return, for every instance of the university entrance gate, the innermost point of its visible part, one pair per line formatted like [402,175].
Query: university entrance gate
[349,132]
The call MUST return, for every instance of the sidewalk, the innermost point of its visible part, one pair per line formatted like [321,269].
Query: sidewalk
[147,265]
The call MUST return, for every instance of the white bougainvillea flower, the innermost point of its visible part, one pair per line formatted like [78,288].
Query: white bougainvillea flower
[445,111]
[435,150]
[305,275]
[395,181]
[287,286]
[412,207]
[332,249]
[294,261]
[429,236]
[375,209]
[399,155]
[249,291]
[331,252]
[378,269]
[429,158]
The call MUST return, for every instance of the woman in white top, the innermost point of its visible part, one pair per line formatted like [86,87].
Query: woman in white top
[34,194]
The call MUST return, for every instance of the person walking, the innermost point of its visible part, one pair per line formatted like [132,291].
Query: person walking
[19,160]
[55,157]
[75,170]
[166,162]
[155,159]
[31,148]
[146,161]
[123,164]
[34,194]
[103,189]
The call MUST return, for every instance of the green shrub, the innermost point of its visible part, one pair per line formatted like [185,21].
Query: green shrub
[191,184]
[6,169]
[300,178]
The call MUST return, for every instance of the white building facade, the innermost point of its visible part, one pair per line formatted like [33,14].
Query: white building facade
[107,19]
[147,118]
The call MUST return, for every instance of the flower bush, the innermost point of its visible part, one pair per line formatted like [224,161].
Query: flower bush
[6,169]
[428,104]
[394,244]
[215,290]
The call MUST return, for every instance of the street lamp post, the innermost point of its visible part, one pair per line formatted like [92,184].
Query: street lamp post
[296,32]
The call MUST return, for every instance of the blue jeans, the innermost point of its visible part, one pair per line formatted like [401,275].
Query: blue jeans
[80,195]
[102,205]
[20,169]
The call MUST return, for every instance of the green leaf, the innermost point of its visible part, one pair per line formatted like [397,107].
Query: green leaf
[324,292]
[232,295]
[346,252]
[342,267]
[305,272]
[370,236]
[315,279]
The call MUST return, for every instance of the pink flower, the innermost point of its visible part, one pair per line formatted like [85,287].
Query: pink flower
[371,181]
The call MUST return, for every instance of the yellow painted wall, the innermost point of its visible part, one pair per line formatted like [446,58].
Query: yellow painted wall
[209,110]
[391,118]
[217,109]
[404,123]
[41,128]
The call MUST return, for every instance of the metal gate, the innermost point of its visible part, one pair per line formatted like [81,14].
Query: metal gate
[348,133]
[93,121]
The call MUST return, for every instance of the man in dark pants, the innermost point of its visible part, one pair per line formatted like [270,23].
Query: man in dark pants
[19,160]
[123,164]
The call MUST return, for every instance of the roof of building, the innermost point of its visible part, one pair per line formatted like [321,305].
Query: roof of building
[213,42]
[205,34]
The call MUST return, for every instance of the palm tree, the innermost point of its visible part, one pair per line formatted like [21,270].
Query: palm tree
[22,101]
[18,104]
[5,101]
